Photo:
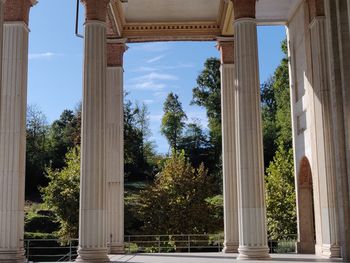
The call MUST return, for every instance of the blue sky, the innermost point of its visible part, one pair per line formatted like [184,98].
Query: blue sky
[152,70]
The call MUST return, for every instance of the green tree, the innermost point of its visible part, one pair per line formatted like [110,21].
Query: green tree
[269,109]
[64,135]
[280,199]
[37,149]
[280,185]
[282,96]
[195,144]
[179,191]
[62,194]
[139,157]
[208,94]
[276,111]
[173,121]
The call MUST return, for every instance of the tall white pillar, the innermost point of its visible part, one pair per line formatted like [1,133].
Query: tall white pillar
[324,140]
[115,146]
[226,47]
[92,223]
[2,9]
[250,165]
[337,36]
[13,105]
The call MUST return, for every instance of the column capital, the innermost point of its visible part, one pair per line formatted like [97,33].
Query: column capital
[18,10]
[115,52]
[243,9]
[95,9]
[316,8]
[226,47]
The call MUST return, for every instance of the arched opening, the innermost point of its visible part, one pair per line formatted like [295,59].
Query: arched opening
[306,217]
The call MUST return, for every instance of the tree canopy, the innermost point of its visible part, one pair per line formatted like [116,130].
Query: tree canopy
[208,94]
[280,185]
[173,121]
[62,194]
[179,190]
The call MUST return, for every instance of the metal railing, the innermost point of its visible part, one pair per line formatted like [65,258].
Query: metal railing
[55,250]
[284,245]
[51,250]
[173,243]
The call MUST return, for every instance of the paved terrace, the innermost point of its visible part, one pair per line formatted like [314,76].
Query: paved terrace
[211,258]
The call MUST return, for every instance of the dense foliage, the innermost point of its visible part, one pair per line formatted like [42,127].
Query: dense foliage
[140,160]
[62,194]
[176,202]
[173,121]
[47,145]
[36,151]
[280,186]
[280,199]
[208,94]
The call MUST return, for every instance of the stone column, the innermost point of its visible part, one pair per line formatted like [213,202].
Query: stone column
[250,165]
[2,7]
[13,106]
[324,138]
[115,146]
[339,58]
[92,224]
[226,47]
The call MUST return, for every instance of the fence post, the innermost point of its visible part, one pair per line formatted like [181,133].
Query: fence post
[219,245]
[129,240]
[189,243]
[70,249]
[159,249]
[28,245]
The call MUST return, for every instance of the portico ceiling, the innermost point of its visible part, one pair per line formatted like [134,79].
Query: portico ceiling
[157,20]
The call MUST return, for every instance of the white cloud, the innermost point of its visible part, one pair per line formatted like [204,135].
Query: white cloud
[160,94]
[162,68]
[155,76]
[147,85]
[153,81]
[45,55]
[155,59]
[152,47]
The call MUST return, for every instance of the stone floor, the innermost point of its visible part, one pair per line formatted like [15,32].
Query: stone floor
[210,258]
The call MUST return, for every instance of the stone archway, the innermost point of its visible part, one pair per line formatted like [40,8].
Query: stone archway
[306,221]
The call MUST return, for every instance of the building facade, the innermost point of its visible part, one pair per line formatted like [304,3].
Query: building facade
[318,33]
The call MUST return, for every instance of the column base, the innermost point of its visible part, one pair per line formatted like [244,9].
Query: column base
[330,251]
[16,256]
[116,248]
[253,253]
[305,247]
[92,255]
[230,247]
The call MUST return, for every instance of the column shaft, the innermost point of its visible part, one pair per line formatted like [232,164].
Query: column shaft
[338,55]
[229,158]
[92,231]
[13,96]
[115,160]
[324,139]
[2,9]
[250,165]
